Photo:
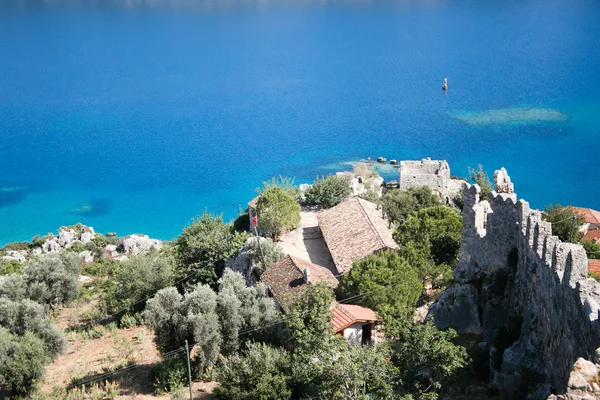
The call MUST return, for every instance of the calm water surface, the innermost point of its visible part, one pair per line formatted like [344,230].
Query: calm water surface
[135,116]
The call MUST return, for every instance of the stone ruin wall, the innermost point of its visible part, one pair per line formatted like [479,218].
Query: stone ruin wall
[434,174]
[513,274]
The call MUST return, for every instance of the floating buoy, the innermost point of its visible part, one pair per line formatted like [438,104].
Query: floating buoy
[445,84]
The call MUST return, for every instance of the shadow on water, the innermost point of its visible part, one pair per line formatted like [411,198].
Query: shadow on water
[93,208]
[10,196]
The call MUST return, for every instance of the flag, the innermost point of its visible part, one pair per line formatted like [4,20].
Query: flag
[254,221]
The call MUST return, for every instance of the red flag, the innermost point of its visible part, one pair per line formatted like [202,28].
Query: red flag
[254,220]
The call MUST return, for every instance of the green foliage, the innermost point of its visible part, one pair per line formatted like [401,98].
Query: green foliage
[565,222]
[277,211]
[393,286]
[434,230]
[259,372]
[18,246]
[592,249]
[328,191]
[342,369]
[139,278]
[242,222]
[10,267]
[168,374]
[399,204]
[480,177]
[127,321]
[263,254]
[426,358]
[203,247]
[102,267]
[308,321]
[21,361]
[242,308]
[192,317]
[51,280]
[25,316]
[284,183]
[594,275]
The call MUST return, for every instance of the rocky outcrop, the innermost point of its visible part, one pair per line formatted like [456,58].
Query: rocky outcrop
[136,244]
[19,256]
[524,291]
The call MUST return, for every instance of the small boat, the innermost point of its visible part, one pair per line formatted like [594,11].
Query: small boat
[445,84]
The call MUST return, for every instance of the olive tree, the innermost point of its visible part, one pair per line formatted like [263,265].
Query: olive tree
[22,361]
[328,191]
[278,212]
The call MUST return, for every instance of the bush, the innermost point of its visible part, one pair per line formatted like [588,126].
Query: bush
[565,222]
[127,321]
[203,247]
[138,278]
[480,177]
[169,374]
[102,267]
[328,191]
[399,204]
[260,372]
[21,361]
[242,222]
[263,255]
[18,246]
[10,267]
[592,249]
[278,212]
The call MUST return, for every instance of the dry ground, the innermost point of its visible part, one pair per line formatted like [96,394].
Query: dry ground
[90,359]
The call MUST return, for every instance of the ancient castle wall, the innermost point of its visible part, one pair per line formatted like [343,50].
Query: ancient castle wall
[515,278]
[434,174]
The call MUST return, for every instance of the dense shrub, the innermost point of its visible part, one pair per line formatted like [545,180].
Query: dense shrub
[263,254]
[203,247]
[169,374]
[260,372]
[480,177]
[10,267]
[393,286]
[592,249]
[242,222]
[278,212]
[18,246]
[102,267]
[565,222]
[138,278]
[399,204]
[21,361]
[328,191]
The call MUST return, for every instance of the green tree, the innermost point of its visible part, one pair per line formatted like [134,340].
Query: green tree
[328,191]
[26,316]
[259,372]
[51,280]
[192,317]
[399,204]
[565,222]
[393,287]
[480,177]
[138,278]
[426,357]
[342,369]
[308,321]
[263,255]
[437,230]
[203,247]
[22,361]
[277,211]
[592,249]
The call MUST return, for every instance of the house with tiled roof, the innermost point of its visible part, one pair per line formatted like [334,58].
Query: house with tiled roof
[353,230]
[592,220]
[354,322]
[594,266]
[288,277]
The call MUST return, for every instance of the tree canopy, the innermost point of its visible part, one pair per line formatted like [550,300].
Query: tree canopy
[392,285]
[328,191]
[480,177]
[565,222]
[399,204]
[278,212]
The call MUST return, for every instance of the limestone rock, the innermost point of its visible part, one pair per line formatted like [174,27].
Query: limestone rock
[16,255]
[65,237]
[587,369]
[502,182]
[51,246]
[71,244]
[595,387]
[87,256]
[36,252]
[122,257]
[304,187]
[110,250]
[136,244]
[578,381]
[86,237]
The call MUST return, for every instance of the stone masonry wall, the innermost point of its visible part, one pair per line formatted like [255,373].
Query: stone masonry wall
[434,174]
[524,291]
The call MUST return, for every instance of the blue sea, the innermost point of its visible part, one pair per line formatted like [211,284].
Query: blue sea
[137,115]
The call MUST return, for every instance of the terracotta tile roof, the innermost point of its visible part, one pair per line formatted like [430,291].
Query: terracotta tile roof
[286,278]
[345,315]
[353,230]
[591,216]
[594,266]
[592,235]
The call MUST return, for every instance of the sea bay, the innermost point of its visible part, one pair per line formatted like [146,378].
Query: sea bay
[152,112]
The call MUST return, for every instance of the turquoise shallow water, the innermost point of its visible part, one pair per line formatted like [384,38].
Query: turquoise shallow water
[153,111]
